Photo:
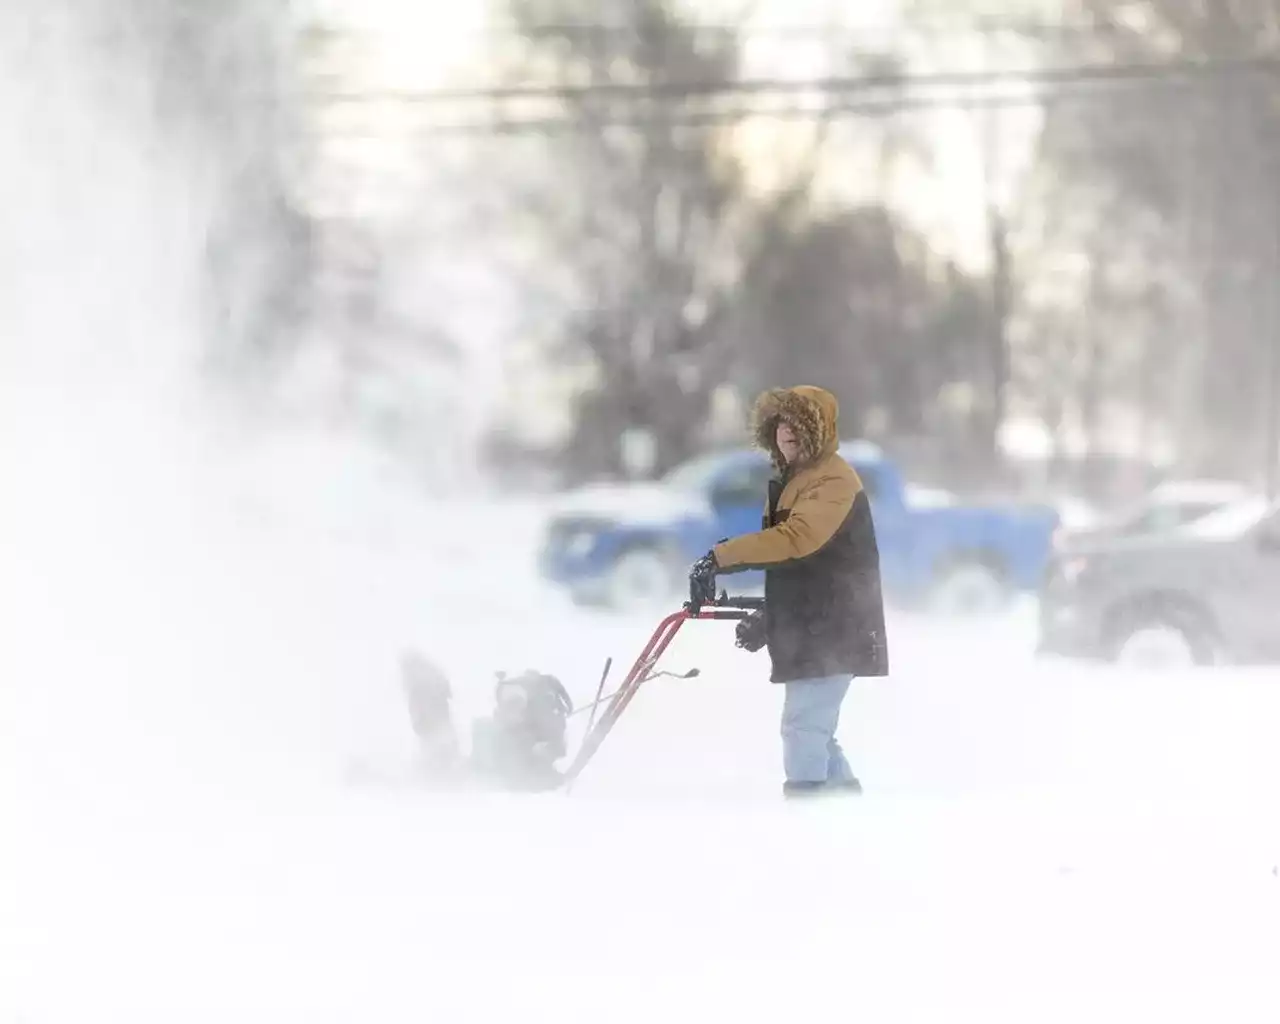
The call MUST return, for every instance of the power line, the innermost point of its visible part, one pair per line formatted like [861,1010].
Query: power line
[835,85]
[834,108]
[708,118]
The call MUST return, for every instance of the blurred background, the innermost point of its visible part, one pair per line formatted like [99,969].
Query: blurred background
[1031,246]
[540,255]
[537,245]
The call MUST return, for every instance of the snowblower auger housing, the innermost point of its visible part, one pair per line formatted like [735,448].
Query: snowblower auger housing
[723,607]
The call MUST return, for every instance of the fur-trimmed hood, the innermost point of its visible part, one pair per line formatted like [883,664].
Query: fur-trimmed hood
[813,413]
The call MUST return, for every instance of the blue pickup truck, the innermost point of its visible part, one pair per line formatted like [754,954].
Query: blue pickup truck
[630,546]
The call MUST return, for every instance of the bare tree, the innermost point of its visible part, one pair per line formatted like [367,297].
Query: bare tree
[645,222]
[1199,156]
[861,305]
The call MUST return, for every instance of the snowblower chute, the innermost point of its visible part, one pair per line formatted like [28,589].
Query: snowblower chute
[723,607]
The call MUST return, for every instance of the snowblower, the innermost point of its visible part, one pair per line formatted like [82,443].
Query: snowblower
[518,746]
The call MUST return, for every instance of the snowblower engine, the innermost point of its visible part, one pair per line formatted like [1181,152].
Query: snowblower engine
[519,745]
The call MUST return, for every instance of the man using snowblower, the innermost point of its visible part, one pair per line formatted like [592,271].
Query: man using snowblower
[823,619]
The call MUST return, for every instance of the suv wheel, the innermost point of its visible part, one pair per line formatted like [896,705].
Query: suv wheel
[1161,642]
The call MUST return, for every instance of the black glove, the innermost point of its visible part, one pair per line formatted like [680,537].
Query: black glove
[751,632]
[702,580]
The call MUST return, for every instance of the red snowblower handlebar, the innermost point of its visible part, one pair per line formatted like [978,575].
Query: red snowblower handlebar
[724,608]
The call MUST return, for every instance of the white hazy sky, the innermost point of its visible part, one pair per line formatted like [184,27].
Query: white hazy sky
[431,40]
[424,44]
[411,44]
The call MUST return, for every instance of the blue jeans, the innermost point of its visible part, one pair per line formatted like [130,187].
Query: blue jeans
[810,714]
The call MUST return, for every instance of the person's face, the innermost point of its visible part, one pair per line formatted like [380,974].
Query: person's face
[788,443]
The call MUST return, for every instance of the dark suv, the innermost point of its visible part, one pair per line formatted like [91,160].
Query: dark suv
[1206,592]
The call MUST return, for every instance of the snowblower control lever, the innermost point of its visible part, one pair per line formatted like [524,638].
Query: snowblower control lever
[702,594]
[725,607]
[722,607]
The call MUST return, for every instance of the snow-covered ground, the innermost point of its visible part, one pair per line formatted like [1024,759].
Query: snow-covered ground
[1037,843]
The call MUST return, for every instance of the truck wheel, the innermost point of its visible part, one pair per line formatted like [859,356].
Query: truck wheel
[969,588]
[1161,641]
[642,579]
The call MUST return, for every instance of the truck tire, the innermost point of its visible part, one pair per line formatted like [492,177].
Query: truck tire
[643,578]
[970,587]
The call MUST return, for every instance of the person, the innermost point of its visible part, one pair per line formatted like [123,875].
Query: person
[823,618]
[515,748]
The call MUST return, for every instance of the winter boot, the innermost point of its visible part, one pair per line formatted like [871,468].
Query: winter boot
[802,790]
[811,790]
